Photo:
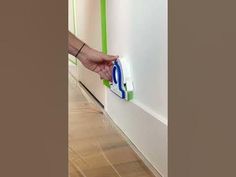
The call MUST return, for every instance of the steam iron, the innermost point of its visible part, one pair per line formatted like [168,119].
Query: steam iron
[121,81]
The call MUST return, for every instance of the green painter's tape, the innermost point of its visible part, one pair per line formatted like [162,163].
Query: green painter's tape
[75,63]
[104,25]
[75,30]
[107,83]
[74,16]
[130,95]
[104,32]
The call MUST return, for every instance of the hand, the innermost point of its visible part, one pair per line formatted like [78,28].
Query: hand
[97,62]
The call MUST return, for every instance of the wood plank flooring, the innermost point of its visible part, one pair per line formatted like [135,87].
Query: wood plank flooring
[96,149]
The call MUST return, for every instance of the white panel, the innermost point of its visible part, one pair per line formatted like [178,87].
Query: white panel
[145,131]
[137,31]
[89,30]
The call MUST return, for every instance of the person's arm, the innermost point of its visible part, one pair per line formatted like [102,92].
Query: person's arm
[75,44]
[92,59]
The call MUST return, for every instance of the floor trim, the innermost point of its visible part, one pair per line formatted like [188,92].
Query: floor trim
[90,94]
[93,99]
[145,131]
[133,147]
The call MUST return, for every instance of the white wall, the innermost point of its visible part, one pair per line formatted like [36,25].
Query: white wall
[89,30]
[137,31]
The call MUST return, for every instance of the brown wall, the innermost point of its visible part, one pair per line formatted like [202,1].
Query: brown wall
[202,88]
[33,88]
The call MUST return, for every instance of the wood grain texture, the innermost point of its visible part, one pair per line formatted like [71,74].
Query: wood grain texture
[96,149]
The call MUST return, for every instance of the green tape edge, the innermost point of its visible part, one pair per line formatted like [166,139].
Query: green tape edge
[75,23]
[103,4]
[130,95]
[75,30]
[75,63]
[106,83]
[104,25]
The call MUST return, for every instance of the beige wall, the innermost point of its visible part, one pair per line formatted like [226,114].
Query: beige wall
[89,30]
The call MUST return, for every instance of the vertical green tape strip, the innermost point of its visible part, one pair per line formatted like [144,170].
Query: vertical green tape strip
[75,31]
[104,25]
[74,18]
[104,32]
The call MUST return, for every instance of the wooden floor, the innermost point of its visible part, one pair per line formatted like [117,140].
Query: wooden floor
[96,149]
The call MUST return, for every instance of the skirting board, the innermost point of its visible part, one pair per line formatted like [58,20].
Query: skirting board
[137,151]
[134,148]
[146,132]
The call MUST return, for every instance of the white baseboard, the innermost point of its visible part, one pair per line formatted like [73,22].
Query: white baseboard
[146,131]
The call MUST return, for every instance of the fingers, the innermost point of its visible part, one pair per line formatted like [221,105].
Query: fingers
[108,76]
[109,71]
[105,73]
[109,57]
